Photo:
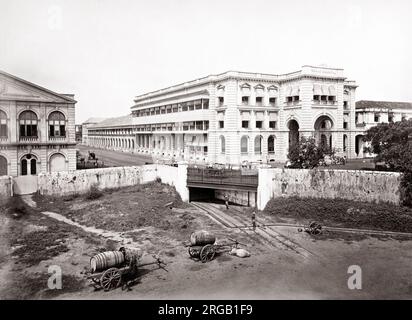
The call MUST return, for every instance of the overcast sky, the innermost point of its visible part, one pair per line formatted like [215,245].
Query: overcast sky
[106,51]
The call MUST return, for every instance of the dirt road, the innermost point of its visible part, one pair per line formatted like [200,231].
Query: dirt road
[115,158]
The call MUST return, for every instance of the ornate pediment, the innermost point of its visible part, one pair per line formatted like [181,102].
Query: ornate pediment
[13,88]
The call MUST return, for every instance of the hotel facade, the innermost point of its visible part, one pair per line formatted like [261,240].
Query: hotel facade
[238,117]
[36,128]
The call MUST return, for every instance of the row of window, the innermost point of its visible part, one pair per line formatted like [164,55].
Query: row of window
[244,144]
[246,124]
[172,108]
[184,126]
[28,124]
[258,101]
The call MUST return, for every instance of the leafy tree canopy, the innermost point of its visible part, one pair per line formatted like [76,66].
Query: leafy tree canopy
[392,144]
[307,154]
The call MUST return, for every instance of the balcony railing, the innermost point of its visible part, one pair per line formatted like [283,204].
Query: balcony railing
[28,139]
[57,139]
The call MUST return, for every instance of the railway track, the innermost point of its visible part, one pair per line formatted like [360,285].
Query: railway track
[263,234]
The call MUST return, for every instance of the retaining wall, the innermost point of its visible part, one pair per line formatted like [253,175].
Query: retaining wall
[6,190]
[80,181]
[371,186]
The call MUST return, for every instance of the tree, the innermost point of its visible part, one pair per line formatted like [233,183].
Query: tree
[307,154]
[392,144]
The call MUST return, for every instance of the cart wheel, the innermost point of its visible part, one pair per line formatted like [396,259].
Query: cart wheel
[193,252]
[207,253]
[110,279]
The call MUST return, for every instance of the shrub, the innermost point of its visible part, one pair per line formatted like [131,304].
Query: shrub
[94,193]
[17,208]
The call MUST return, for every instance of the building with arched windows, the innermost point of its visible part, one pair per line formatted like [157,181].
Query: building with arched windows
[238,117]
[36,128]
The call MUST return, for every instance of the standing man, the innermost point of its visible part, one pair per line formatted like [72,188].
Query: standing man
[254,220]
[227,201]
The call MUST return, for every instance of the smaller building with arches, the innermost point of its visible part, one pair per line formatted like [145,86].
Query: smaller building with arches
[37,130]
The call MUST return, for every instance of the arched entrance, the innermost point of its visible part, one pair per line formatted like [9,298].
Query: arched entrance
[359,144]
[323,131]
[293,126]
[58,163]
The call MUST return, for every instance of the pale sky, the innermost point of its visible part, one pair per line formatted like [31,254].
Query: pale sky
[106,51]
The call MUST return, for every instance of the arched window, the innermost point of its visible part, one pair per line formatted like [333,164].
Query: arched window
[244,145]
[28,165]
[3,124]
[271,144]
[258,145]
[3,166]
[28,124]
[57,124]
[222,144]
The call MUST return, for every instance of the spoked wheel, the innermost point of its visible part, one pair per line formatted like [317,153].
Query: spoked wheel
[315,228]
[110,279]
[207,253]
[193,252]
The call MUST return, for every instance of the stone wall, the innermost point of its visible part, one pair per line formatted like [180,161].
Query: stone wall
[80,181]
[5,187]
[359,185]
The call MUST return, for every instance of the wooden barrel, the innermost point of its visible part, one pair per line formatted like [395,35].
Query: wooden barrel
[202,238]
[105,260]
[131,254]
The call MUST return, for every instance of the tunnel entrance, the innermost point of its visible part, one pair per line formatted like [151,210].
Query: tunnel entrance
[237,197]
[201,194]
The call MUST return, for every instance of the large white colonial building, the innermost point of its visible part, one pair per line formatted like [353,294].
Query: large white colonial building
[36,128]
[238,117]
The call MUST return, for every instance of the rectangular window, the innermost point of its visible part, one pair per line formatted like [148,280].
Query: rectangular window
[221,101]
[245,124]
[289,99]
[390,117]
[184,106]
[169,109]
[376,117]
[345,125]
[316,97]
[259,124]
[245,100]
[221,124]
[295,98]
[345,104]
[205,103]
[259,101]
[157,110]
[206,125]
[199,125]
[272,124]
[331,98]
[3,130]
[163,111]
[198,104]
[323,98]
[272,101]
[191,105]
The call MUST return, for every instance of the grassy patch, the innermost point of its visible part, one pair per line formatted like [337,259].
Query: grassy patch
[16,208]
[343,213]
[126,209]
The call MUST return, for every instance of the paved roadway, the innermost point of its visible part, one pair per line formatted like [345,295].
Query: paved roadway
[115,158]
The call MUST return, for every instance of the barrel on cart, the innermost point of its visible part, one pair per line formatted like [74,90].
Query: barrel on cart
[203,246]
[108,269]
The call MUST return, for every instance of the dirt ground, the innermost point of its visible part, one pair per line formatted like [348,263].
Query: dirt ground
[142,217]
